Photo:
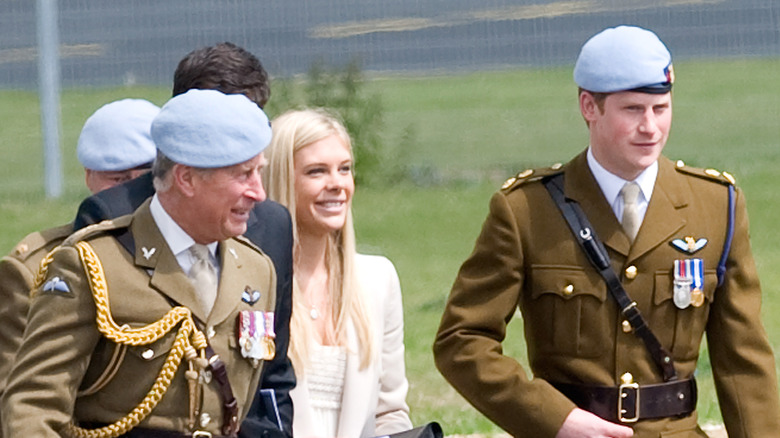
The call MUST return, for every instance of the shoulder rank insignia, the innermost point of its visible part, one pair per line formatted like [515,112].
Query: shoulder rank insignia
[56,285]
[530,175]
[250,296]
[21,249]
[711,174]
[689,245]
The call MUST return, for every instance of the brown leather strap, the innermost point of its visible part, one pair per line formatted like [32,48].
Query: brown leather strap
[637,402]
[229,403]
[599,257]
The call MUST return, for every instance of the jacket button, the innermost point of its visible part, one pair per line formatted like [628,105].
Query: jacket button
[568,290]
[210,332]
[205,419]
[631,272]
[626,326]
[148,354]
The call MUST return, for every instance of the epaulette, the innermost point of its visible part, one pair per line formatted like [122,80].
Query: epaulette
[708,174]
[40,240]
[95,229]
[529,175]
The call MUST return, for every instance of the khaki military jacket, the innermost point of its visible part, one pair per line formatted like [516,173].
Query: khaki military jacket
[17,274]
[63,353]
[526,257]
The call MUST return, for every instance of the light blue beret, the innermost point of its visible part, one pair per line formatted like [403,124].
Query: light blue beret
[209,129]
[624,58]
[117,136]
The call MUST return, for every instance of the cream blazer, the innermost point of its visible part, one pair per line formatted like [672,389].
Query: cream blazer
[374,399]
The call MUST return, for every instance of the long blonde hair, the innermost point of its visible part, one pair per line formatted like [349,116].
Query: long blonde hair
[292,131]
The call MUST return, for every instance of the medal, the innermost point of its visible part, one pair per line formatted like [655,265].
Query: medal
[682,285]
[688,283]
[256,335]
[697,298]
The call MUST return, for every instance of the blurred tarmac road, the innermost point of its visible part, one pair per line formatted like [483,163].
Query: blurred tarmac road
[116,42]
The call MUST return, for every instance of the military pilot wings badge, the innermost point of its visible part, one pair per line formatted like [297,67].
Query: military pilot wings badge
[56,285]
[689,245]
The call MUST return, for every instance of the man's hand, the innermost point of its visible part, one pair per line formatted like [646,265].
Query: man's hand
[583,424]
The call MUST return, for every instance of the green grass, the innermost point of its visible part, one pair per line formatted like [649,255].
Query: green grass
[471,131]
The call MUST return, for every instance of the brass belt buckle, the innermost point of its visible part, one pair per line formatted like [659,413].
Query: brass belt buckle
[628,384]
[201,434]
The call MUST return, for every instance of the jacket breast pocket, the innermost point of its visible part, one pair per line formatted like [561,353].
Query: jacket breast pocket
[689,323]
[565,312]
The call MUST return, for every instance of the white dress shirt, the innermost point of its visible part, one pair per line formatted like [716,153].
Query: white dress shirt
[177,239]
[611,185]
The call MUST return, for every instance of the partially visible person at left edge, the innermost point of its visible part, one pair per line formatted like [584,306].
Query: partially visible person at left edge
[115,145]
[157,323]
[231,70]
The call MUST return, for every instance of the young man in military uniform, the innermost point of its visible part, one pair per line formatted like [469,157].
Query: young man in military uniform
[595,369]
[138,326]
[115,144]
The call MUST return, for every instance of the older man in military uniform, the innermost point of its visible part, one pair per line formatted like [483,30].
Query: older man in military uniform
[138,326]
[115,145]
[613,329]
[232,70]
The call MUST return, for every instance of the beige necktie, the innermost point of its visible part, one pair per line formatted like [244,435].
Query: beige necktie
[203,275]
[631,220]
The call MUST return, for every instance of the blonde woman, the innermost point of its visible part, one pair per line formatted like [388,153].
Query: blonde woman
[347,325]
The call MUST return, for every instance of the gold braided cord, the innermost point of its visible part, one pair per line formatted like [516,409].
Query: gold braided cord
[187,337]
[43,268]
[106,324]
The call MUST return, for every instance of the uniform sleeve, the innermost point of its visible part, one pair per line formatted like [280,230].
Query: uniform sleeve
[742,361]
[467,349]
[15,283]
[54,353]
[392,414]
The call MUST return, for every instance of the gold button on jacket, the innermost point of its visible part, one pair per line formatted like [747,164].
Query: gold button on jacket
[526,256]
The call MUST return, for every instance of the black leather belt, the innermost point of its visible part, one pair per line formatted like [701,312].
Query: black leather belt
[140,432]
[158,433]
[631,402]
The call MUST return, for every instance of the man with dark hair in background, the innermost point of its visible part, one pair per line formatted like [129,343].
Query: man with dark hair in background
[231,70]
[224,67]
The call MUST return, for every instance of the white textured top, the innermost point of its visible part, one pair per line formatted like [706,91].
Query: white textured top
[326,385]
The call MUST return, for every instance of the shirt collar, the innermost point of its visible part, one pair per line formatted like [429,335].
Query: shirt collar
[176,238]
[611,184]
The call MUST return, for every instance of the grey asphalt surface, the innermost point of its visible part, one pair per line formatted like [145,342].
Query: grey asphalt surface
[115,42]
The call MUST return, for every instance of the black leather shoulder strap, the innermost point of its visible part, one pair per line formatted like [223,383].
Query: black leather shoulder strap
[599,258]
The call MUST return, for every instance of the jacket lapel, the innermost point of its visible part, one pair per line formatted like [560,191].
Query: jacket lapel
[230,291]
[153,253]
[581,186]
[666,211]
